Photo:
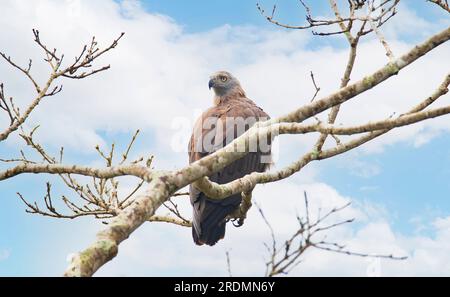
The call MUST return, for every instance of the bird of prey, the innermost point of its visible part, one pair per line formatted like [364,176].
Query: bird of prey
[232,114]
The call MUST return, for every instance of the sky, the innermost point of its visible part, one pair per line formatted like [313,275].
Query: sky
[398,184]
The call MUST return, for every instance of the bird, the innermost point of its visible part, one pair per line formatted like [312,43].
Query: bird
[230,116]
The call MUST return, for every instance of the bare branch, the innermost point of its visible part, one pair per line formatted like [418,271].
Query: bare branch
[317,89]
[248,182]
[47,90]
[283,258]
[378,14]
[102,194]
[133,170]
[170,220]
[23,70]
[442,3]
[100,198]
[227,253]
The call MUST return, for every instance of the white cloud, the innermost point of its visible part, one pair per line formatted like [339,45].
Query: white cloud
[159,72]
[364,169]
[168,250]
[4,254]
[424,137]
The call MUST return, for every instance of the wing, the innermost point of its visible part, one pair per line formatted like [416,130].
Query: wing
[216,128]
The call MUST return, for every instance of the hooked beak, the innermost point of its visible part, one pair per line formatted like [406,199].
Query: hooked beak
[211,84]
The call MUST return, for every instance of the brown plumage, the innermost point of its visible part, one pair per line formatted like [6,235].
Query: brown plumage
[232,114]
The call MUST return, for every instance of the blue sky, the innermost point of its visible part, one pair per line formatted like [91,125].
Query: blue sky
[198,15]
[404,179]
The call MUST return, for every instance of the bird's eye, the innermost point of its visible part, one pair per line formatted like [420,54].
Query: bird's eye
[223,78]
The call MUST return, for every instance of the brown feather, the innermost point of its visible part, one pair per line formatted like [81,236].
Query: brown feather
[209,215]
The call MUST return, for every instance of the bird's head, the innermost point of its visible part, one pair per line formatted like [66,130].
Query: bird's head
[224,83]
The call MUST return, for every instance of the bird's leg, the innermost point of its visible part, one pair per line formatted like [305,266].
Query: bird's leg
[238,217]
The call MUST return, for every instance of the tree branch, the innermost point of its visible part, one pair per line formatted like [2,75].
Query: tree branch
[123,170]
[216,191]
[442,3]
[55,62]
[163,185]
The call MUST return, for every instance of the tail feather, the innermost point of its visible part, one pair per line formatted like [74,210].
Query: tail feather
[209,221]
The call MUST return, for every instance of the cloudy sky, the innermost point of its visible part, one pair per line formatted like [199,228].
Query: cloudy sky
[398,185]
